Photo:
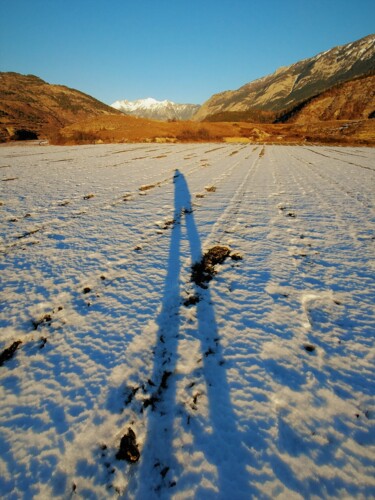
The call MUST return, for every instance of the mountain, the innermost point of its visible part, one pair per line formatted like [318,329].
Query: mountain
[272,96]
[156,110]
[31,107]
[352,100]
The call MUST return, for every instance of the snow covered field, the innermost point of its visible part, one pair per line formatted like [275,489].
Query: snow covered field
[256,384]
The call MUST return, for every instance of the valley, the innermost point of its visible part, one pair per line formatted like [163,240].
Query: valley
[326,99]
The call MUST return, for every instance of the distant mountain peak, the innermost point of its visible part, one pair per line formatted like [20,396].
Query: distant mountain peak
[156,110]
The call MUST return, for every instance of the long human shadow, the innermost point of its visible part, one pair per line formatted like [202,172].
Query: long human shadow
[220,442]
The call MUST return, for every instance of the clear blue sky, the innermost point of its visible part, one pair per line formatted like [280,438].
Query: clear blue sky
[183,50]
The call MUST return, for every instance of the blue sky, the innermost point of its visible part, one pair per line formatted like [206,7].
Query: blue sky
[183,50]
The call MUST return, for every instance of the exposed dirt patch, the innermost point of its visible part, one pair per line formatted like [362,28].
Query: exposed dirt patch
[309,347]
[131,394]
[156,396]
[236,256]
[192,300]
[43,342]
[8,353]
[203,271]
[28,233]
[194,404]
[147,187]
[168,223]
[151,401]
[128,447]
[45,319]
[164,379]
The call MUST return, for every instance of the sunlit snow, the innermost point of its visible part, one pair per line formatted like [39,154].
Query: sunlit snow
[260,385]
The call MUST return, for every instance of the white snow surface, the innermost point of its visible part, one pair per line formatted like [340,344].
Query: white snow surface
[263,388]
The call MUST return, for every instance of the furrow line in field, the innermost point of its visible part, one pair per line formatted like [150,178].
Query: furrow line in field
[132,414]
[328,267]
[332,207]
[97,208]
[345,162]
[344,151]
[348,191]
[232,207]
[136,254]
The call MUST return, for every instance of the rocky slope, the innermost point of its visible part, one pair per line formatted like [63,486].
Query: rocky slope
[156,110]
[36,107]
[351,100]
[271,96]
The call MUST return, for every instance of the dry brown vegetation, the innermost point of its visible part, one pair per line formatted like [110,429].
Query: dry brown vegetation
[118,129]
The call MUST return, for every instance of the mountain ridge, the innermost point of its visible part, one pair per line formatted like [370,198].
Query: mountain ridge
[288,86]
[157,110]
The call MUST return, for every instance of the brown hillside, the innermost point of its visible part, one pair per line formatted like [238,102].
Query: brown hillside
[29,103]
[349,101]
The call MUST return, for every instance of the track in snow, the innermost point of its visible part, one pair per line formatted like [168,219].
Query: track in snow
[263,388]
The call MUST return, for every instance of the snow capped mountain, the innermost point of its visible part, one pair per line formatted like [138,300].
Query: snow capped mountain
[156,110]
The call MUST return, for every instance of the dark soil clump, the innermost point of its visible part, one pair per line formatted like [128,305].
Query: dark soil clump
[164,379]
[128,448]
[204,271]
[46,320]
[236,256]
[309,347]
[130,396]
[191,301]
[8,353]
[43,342]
